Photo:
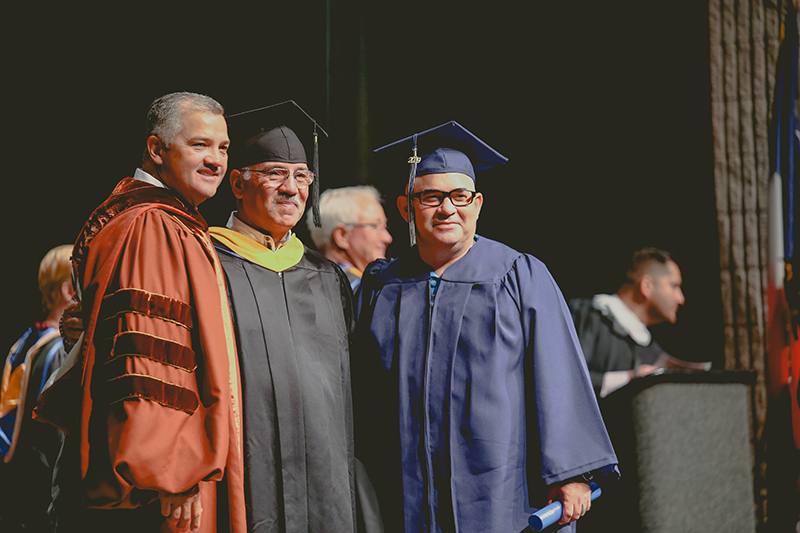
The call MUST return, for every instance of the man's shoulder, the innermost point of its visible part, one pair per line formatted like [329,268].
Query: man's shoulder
[147,217]
[135,194]
[405,267]
[487,260]
[327,270]
[589,318]
[581,305]
[134,202]
[314,259]
[314,256]
[492,260]
[151,233]
[596,315]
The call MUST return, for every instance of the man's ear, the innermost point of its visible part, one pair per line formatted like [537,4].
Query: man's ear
[646,285]
[339,237]
[155,147]
[66,291]
[402,206]
[478,201]
[237,183]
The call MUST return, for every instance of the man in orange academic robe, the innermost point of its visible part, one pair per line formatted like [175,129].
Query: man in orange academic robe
[151,403]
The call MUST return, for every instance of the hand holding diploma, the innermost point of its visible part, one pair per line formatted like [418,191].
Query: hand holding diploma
[567,503]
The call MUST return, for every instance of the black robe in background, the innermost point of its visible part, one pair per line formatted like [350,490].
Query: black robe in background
[292,333]
[606,345]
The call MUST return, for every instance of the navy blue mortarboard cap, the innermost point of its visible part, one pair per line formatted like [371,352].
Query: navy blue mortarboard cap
[450,148]
[447,148]
[269,134]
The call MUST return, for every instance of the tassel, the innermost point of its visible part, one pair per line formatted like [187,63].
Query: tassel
[412,226]
[315,191]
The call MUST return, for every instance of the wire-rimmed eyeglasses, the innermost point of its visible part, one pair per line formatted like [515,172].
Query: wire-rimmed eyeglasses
[371,225]
[276,176]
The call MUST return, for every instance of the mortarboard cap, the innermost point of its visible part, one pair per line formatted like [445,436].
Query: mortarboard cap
[270,133]
[447,148]
[450,147]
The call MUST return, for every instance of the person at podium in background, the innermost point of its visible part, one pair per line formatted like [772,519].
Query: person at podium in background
[613,328]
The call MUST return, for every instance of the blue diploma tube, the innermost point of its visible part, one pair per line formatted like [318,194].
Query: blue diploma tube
[549,515]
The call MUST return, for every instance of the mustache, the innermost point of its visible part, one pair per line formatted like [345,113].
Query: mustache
[286,200]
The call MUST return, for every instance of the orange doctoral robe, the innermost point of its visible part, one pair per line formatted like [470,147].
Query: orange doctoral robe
[152,401]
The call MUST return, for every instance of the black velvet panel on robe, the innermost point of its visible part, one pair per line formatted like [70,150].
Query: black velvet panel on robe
[292,332]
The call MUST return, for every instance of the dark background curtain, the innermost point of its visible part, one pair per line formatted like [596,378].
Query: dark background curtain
[602,108]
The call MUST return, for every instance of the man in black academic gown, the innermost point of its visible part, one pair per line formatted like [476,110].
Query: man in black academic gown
[292,313]
[472,401]
[612,328]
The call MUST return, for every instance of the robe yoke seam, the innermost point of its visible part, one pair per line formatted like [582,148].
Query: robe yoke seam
[504,285]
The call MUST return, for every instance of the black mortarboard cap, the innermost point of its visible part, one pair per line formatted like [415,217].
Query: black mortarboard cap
[270,133]
[449,147]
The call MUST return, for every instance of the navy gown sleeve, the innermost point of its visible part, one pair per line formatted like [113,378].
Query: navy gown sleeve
[562,407]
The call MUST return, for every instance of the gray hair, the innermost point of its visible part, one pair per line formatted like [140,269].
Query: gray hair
[165,116]
[338,206]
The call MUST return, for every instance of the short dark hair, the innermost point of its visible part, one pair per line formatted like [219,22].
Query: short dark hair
[644,261]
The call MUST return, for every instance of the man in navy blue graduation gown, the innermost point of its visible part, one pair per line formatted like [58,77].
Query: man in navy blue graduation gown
[473,406]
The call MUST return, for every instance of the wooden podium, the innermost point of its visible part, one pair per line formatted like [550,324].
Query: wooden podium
[685,449]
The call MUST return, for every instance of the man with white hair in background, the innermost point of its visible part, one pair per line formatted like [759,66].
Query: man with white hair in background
[353,232]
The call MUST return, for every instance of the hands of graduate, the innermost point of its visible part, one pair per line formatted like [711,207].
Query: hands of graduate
[183,509]
[71,324]
[576,499]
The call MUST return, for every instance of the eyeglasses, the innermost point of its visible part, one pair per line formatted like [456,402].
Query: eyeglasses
[371,225]
[277,176]
[433,198]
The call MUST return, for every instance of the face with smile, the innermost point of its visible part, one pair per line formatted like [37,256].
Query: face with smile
[445,226]
[196,160]
[367,240]
[275,209]
[666,295]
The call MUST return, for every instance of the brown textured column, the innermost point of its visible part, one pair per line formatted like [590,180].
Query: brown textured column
[744,44]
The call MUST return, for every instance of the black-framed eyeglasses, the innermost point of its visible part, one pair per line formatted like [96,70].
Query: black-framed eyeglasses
[433,198]
[276,176]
